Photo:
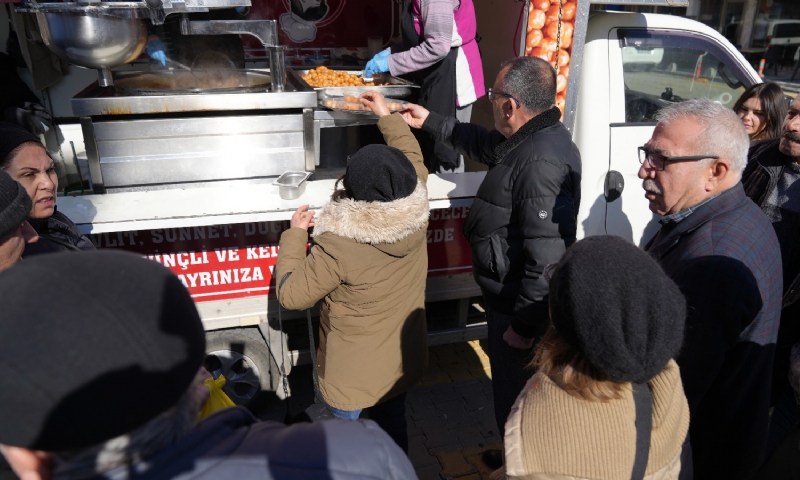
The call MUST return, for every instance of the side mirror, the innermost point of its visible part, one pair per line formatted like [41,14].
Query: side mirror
[614,184]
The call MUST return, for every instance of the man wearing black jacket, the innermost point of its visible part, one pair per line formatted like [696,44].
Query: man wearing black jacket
[524,215]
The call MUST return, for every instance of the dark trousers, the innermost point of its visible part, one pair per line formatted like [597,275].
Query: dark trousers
[785,418]
[389,415]
[509,372]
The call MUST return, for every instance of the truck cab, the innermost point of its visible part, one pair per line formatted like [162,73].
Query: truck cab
[633,65]
[222,239]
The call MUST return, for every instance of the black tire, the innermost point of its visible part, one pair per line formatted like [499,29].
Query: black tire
[242,356]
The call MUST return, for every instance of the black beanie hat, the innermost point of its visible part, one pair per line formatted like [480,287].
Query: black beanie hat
[613,303]
[11,137]
[92,346]
[15,204]
[379,173]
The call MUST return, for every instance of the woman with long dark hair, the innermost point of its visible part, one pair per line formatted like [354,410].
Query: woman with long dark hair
[762,108]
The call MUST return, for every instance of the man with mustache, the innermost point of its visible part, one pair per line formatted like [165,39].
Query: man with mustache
[720,250]
[769,180]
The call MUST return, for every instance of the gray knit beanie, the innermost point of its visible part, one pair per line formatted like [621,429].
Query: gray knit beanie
[15,204]
[613,303]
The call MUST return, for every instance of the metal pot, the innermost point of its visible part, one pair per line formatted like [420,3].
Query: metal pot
[92,40]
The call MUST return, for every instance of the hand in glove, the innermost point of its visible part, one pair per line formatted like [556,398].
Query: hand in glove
[33,117]
[378,64]
[157,51]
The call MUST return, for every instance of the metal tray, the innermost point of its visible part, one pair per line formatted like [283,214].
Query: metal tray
[199,81]
[95,100]
[322,103]
[390,86]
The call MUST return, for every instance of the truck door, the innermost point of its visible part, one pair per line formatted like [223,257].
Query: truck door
[650,69]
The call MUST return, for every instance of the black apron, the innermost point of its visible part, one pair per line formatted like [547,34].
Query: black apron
[437,94]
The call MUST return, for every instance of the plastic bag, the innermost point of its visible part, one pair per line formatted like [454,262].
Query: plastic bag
[217,400]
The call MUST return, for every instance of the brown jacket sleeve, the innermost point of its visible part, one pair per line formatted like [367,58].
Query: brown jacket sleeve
[309,278]
[397,134]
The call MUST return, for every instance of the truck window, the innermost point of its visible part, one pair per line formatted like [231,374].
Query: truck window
[663,67]
[786,30]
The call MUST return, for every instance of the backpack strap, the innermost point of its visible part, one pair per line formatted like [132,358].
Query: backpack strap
[643,400]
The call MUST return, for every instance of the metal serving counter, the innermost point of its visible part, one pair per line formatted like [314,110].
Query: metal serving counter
[96,100]
[156,131]
[168,140]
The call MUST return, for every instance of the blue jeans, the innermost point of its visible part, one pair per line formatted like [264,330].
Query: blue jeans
[509,372]
[389,415]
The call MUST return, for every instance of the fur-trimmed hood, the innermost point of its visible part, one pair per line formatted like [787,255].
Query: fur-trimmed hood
[375,223]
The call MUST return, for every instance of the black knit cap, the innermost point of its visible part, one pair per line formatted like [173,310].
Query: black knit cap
[15,204]
[379,173]
[612,302]
[11,137]
[114,341]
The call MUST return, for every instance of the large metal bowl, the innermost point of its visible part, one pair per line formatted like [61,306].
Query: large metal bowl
[92,40]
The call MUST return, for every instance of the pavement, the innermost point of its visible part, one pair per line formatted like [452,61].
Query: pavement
[451,415]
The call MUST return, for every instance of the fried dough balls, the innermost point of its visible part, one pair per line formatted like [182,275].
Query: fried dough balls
[325,77]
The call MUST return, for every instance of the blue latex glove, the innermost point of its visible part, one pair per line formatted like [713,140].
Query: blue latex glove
[156,49]
[378,64]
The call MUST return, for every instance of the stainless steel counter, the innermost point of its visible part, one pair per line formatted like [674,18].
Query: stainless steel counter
[96,101]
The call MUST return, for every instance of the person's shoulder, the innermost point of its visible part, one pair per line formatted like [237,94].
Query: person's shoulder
[552,144]
[745,222]
[766,152]
[59,221]
[346,449]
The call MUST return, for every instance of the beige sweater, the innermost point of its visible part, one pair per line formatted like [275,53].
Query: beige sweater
[551,434]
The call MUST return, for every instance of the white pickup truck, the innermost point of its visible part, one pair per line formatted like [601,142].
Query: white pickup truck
[222,241]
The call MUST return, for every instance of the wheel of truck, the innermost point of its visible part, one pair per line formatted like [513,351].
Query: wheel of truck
[242,356]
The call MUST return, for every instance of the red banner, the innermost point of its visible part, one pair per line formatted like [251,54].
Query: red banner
[219,262]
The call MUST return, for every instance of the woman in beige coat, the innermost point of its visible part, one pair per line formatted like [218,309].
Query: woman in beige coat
[607,402]
[368,265]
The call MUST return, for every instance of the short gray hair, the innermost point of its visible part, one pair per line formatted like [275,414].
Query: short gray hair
[721,132]
[532,82]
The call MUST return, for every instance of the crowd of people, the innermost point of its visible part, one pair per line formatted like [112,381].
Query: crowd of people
[608,361]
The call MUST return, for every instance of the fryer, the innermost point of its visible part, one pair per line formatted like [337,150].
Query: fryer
[169,130]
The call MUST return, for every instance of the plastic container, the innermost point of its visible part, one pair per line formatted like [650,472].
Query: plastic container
[292,184]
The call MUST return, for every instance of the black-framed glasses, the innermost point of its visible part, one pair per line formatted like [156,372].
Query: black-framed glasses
[493,94]
[658,161]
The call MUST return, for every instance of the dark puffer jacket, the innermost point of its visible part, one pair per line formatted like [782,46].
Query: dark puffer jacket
[57,233]
[525,212]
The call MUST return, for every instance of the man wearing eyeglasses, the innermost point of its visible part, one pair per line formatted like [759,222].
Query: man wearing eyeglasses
[524,215]
[722,252]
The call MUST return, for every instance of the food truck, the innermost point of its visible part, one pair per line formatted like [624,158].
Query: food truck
[192,174]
